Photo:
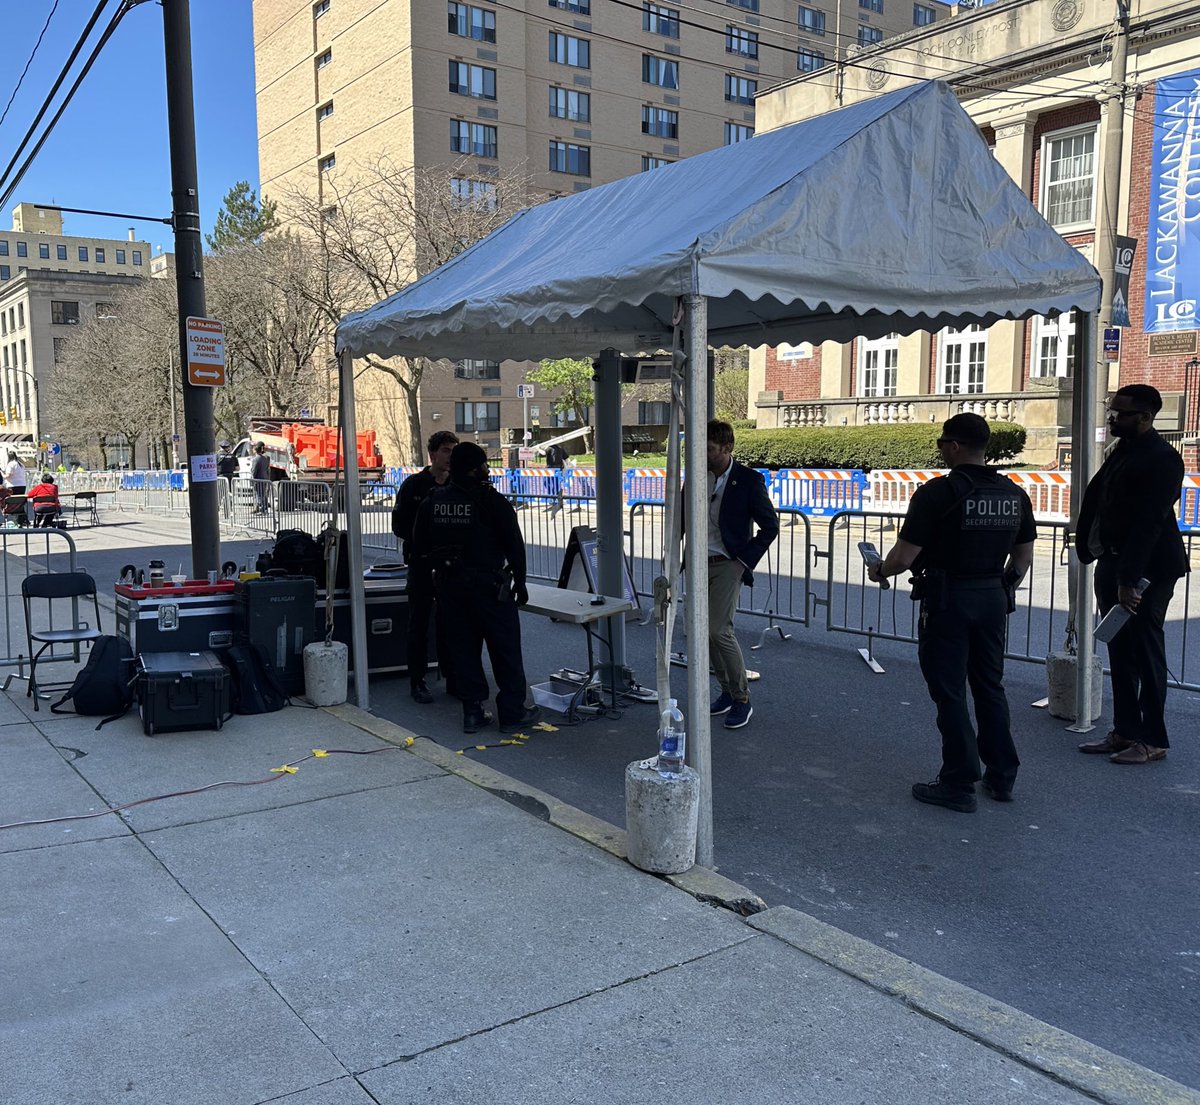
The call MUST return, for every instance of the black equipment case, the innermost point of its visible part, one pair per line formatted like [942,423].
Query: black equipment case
[178,691]
[191,618]
[275,613]
[387,624]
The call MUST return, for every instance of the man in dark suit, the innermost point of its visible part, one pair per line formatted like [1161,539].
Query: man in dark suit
[737,502]
[1127,526]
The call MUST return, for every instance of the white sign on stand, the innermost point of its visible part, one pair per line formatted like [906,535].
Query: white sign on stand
[525,391]
[525,457]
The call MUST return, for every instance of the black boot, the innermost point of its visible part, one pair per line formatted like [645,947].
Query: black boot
[475,717]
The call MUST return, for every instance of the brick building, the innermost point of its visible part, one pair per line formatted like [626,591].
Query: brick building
[1033,74]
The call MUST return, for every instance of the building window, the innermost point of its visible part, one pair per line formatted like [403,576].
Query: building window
[871,5]
[749,5]
[654,414]
[5,272]
[83,253]
[137,256]
[579,7]
[324,59]
[809,61]
[468,21]
[476,139]
[649,163]
[324,165]
[476,418]
[737,132]
[660,71]
[567,157]
[472,80]
[468,369]
[923,16]
[660,122]
[60,252]
[479,195]
[99,256]
[566,103]
[3,248]
[868,36]
[324,111]
[739,90]
[569,50]
[963,360]
[44,250]
[104,310]
[877,366]
[811,20]
[320,8]
[1068,178]
[22,249]
[21,322]
[741,42]
[120,256]
[64,312]
[59,343]
[1053,345]
[660,21]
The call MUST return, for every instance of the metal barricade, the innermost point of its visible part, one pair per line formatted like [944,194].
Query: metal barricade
[645,485]
[534,485]
[816,491]
[1050,493]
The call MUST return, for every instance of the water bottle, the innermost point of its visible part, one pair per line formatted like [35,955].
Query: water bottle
[672,741]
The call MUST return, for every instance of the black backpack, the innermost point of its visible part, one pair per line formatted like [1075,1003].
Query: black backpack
[255,684]
[297,553]
[105,685]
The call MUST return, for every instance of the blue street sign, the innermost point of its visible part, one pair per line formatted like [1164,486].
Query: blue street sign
[54,448]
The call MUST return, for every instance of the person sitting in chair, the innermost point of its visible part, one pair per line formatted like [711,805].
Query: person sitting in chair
[43,498]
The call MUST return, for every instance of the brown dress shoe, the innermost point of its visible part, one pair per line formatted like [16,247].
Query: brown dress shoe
[1139,753]
[1110,744]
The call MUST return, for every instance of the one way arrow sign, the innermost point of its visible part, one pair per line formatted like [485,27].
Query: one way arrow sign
[205,352]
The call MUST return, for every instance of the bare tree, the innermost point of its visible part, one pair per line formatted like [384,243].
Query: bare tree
[379,227]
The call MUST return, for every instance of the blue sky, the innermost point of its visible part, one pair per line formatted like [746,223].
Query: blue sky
[109,151]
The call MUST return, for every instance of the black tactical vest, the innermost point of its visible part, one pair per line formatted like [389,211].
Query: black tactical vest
[454,527]
[976,535]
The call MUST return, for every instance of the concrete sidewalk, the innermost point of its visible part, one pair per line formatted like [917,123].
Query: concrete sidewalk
[403,924]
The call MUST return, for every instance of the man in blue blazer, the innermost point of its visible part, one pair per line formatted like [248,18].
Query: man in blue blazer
[737,502]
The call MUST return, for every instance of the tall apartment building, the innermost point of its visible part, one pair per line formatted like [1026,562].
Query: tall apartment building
[1034,75]
[48,282]
[574,92]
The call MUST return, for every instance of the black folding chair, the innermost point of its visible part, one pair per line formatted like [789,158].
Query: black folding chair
[85,504]
[52,588]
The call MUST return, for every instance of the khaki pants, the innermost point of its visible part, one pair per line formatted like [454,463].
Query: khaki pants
[724,587]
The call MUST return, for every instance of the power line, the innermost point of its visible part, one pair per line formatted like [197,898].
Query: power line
[62,76]
[21,78]
[124,7]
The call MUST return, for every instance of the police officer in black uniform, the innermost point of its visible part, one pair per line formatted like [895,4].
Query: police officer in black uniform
[468,532]
[969,538]
[413,492]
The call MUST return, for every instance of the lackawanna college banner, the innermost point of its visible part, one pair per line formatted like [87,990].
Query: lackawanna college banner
[1173,233]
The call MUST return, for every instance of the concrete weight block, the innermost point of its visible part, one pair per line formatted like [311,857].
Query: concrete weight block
[660,818]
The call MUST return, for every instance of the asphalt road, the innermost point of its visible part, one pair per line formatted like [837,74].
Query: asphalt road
[1077,903]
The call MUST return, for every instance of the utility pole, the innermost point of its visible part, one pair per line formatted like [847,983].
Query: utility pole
[199,433]
[1112,101]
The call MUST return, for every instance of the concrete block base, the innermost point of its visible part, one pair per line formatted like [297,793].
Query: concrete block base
[660,819]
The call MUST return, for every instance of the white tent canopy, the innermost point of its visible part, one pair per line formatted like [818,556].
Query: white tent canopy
[888,216]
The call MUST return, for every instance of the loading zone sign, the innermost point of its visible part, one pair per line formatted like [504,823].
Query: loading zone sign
[205,352]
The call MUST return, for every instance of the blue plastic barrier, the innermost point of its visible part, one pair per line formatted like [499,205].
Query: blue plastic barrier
[817,492]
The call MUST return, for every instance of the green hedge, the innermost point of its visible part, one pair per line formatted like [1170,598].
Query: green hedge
[865,447]
[740,424]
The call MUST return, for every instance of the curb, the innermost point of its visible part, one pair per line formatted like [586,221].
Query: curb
[702,883]
[1058,1055]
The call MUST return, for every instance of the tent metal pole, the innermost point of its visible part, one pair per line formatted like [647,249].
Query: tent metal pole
[358,595]
[1083,467]
[610,529]
[696,509]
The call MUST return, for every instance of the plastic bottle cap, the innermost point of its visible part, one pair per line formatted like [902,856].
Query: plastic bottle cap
[671,703]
